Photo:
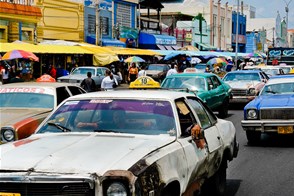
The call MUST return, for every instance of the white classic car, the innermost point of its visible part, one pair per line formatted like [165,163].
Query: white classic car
[124,142]
[78,74]
[24,105]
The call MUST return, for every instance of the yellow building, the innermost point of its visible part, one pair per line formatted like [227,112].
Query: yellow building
[18,21]
[32,21]
[62,20]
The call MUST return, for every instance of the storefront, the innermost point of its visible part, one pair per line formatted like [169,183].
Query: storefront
[157,42]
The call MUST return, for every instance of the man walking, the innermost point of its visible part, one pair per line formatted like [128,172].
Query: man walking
[88,83]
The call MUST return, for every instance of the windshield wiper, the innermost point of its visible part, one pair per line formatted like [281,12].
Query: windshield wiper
[62,128]
[269,91]
[106,131]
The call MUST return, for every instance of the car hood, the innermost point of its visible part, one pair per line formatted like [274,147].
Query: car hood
[9,116]
[79,153]
[73,77]
[269,101]
[243,84]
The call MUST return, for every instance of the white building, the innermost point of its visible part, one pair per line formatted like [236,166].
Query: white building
[217,16]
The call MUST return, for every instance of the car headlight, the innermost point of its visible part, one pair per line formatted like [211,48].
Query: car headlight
[116,189]
[7,134]
[252,91]
[251,114]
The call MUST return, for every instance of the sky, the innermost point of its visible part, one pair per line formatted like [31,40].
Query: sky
[269,8]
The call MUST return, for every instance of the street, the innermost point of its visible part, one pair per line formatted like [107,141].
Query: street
[261,170]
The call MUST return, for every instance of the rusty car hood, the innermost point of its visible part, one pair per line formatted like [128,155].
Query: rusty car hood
[10,116]
[79,153]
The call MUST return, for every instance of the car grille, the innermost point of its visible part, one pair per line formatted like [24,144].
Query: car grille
[46,189]
[280,113]
[239,92]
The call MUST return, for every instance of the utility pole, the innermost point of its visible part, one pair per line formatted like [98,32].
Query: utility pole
[237,36]
[287,11]
[97,24]
[273,36]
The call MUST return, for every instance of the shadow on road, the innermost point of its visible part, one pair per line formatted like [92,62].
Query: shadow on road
[234,186]
[275,140]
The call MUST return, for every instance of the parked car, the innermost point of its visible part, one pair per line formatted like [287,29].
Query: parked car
[272,112]
[245,84]
[157,71]
[78,74]
[207,86]
[23,106]
[122,143]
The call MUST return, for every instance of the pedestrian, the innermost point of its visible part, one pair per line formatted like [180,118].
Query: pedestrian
[109,82]
[173,70]
[5,75]
[133,73]
[142,72]
[16,78]
[88,83]
[52,71]
[207,69]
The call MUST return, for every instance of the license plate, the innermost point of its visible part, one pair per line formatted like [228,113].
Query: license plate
[285,130]
[9,194]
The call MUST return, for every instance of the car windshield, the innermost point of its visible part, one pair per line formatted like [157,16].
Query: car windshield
[155,67]
[281,88]
[26,100]
[242,76]
[83,71]
[149,117]
[192,83]
[271,72]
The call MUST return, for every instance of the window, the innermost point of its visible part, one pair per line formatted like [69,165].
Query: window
[104,21]
[62,94]
[124,15]
[91,24]
[215,81]
[205,116]
[75,90]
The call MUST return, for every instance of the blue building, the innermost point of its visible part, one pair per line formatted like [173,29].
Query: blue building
[117,23]
[241,32]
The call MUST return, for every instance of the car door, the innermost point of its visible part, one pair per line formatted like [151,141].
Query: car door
[219,91]
[196,158]
[207,121]
[211,99]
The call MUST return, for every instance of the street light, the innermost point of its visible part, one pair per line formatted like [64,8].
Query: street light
[287,11]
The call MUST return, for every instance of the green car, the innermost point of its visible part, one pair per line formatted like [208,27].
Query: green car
[214,92]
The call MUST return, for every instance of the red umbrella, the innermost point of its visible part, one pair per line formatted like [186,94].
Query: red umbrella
[19,54]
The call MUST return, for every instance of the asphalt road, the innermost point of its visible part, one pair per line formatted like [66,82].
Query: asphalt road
[263,170]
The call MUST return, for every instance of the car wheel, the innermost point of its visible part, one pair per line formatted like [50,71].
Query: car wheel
[216,185]
[253,137]
[223,109]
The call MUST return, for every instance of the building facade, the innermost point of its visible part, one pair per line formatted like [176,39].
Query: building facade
[19,21]
[241,35]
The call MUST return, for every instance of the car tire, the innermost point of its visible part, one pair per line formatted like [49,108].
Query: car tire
[253,137]
[223,110]
[216,185]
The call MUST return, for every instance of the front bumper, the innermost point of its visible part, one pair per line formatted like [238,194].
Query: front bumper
[241,99]
[265,125]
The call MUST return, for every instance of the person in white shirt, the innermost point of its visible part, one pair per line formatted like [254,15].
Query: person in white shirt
[109,82]
[142,72]
[173,70]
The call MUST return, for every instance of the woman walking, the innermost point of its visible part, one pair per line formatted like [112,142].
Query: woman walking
[109,82]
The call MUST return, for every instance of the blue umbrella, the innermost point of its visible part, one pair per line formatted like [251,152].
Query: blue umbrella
[172,55]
